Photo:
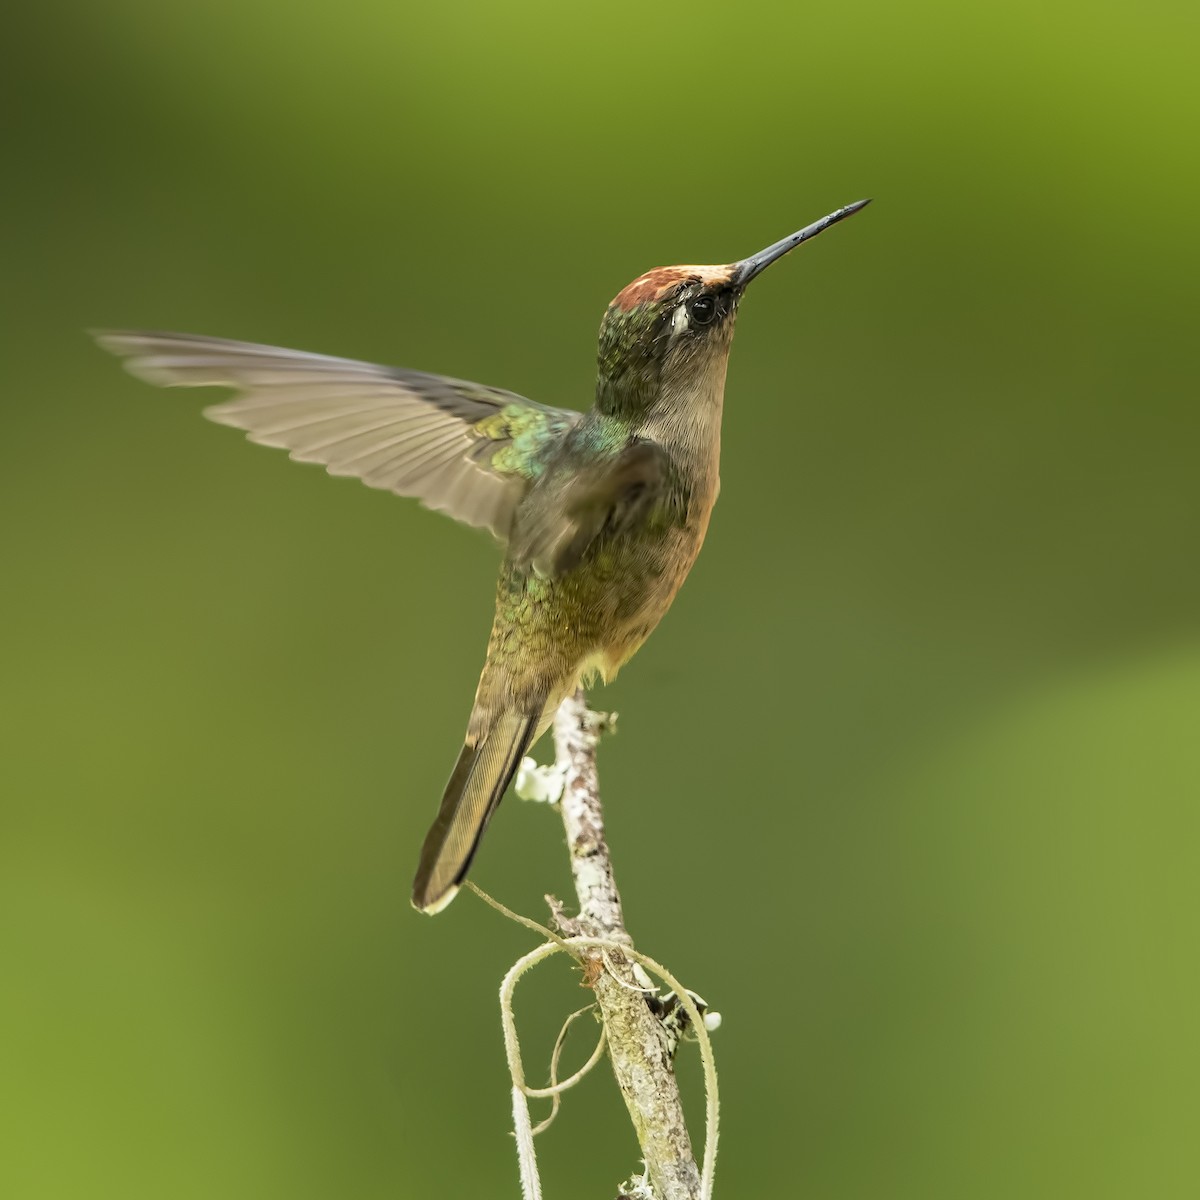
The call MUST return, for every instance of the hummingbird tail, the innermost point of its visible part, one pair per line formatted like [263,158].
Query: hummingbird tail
[483,772]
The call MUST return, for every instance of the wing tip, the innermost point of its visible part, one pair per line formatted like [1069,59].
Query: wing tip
[137,349]
[111,340]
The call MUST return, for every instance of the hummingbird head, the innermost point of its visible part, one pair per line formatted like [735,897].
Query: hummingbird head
[668,333]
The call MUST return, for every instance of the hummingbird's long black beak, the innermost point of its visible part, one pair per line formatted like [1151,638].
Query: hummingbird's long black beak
[757,263]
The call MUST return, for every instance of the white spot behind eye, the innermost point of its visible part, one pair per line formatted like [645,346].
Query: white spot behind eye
[679,321]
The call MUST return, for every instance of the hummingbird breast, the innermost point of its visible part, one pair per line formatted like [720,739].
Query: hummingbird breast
[549,634]
[643,578]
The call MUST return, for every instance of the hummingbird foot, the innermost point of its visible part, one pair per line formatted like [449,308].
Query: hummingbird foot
[600,723]
[543,785]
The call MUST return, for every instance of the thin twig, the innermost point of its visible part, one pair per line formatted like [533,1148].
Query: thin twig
[556,1088]
[637,1044]
[516,1066]
[505,911]
[639,1047]
[531,1183]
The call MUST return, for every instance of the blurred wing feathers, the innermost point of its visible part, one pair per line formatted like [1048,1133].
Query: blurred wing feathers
[611,496]
[462,448]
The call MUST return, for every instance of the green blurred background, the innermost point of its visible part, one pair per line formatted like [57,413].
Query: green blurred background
[907,782]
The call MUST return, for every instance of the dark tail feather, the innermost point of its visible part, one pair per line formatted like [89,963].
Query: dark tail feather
[481,775]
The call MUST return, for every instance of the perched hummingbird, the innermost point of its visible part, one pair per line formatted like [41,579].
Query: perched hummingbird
[603,512]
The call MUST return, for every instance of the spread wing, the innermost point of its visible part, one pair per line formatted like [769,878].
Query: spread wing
[572,509]
[462,448]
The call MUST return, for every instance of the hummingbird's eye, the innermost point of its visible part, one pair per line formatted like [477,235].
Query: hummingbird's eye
[702,310]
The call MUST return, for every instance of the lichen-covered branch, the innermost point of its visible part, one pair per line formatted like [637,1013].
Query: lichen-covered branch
[638,1046]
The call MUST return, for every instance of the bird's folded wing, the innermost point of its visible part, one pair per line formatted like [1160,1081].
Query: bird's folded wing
[462,448]
[611,496]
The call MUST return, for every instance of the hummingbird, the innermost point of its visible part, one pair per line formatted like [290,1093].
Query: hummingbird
[601,514]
